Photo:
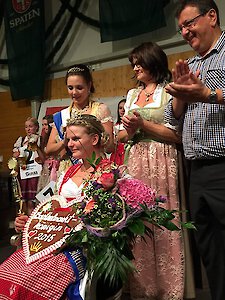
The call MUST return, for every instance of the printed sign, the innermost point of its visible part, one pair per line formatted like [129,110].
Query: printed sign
[48,227]
[46,192]
[33,169]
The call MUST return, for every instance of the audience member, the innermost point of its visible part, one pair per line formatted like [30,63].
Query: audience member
[118,154]
[29,156]
[198,107]
[153,158]
[51,163]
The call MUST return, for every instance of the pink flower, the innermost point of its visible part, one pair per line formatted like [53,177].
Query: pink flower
[107,180]
[104,165]
[136,192]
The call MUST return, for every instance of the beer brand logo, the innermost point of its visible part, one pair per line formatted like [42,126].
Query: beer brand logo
[20,6]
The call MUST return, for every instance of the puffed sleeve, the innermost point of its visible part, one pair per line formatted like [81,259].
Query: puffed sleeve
[169,118]
[131,97]
[18,143]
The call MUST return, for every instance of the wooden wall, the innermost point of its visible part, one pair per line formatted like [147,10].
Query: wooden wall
[108,83]
[12,118]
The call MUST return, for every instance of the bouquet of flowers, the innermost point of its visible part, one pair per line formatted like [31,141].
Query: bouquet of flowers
[116,208]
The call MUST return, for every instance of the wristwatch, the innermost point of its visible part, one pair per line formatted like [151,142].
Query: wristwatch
[213,97]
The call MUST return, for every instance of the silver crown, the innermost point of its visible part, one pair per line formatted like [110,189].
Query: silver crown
[75,69]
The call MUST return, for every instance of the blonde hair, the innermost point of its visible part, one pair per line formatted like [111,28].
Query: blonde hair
[92,126]
[34,121]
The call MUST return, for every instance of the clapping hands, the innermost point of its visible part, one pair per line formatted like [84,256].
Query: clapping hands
[186,85]
[131,123]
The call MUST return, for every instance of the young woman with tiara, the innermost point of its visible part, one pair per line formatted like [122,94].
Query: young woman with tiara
[80,88]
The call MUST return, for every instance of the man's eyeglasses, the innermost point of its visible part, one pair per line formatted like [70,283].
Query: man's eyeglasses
[190,23]
[136,65]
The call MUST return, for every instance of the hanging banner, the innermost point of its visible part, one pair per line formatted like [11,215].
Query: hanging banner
[120,19]
[25,39]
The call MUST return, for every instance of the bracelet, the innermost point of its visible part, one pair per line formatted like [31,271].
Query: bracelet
[213,98]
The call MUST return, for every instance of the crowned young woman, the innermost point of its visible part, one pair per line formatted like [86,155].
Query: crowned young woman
[57,276]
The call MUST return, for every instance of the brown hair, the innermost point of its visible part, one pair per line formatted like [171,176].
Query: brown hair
[81,70]
[203,6]
[118,115]
[45,137]
[151,57]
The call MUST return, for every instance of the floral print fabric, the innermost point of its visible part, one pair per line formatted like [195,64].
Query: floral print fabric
[159,260]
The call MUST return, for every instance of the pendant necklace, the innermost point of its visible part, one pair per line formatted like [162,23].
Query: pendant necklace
[148,95]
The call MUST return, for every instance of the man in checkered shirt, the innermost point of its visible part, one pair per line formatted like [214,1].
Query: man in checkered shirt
[198,107]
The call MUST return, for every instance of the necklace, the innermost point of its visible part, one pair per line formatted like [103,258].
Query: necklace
[148,94]
[76,111]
